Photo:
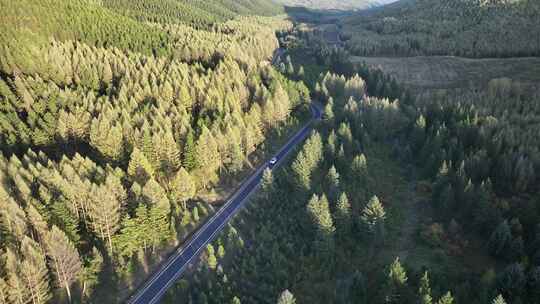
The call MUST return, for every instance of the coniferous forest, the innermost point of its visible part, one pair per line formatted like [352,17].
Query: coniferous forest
[125,125]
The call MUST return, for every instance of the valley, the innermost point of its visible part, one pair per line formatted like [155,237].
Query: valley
[214,152]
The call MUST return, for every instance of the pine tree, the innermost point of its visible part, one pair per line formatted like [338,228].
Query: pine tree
[425,290]
[211,257]
[500,239]
[139,167]
[332,181]
[343,214]
[499,300]
[190,155]
[373,216]
[221,251]
[397,280]
[328,110]
[64,259]
[397,275]
[301,72]
[267,182]
[319,210]
[286,297]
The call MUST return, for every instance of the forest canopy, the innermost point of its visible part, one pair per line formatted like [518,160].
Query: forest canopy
[114,117]
[468,28]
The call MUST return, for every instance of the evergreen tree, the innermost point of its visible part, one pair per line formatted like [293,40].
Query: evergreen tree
[332,182]
[373,216]
[211,257]
[190,154]
[397,275]
[343,214]
[267,182]
[500,239]
[499,300]
[139,167]
[397,281]
[424,290]
[446,299]
[286,297]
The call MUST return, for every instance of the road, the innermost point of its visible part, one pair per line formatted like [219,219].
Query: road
[154,289]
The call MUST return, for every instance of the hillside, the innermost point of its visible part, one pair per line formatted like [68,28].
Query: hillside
[469,28]
[239,151]
[119,123]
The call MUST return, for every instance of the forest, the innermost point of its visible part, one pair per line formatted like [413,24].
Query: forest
[339,223]
[124,125]
[113,131]
[467,28]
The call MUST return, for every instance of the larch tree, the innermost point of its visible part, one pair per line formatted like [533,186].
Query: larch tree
[104,212]
[34,271]
[208,157]
[183,187]
[64,259]
[17,291]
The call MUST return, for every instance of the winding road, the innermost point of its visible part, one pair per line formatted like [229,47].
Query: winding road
[155,287]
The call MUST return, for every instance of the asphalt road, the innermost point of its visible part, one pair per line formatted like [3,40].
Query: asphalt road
[154,289]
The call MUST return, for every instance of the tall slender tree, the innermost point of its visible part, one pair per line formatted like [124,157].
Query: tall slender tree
[64,259]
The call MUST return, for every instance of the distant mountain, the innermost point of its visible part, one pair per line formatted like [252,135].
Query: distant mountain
[335,4]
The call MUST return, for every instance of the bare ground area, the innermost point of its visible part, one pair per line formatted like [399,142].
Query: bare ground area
[448,72]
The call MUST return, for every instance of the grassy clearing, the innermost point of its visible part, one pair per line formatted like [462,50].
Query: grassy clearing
[447,72]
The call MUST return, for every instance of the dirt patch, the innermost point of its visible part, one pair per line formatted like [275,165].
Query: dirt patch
[448,72]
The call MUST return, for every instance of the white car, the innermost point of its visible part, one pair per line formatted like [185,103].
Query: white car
[273,161]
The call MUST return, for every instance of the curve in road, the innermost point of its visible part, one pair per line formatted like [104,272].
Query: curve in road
[154,289]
